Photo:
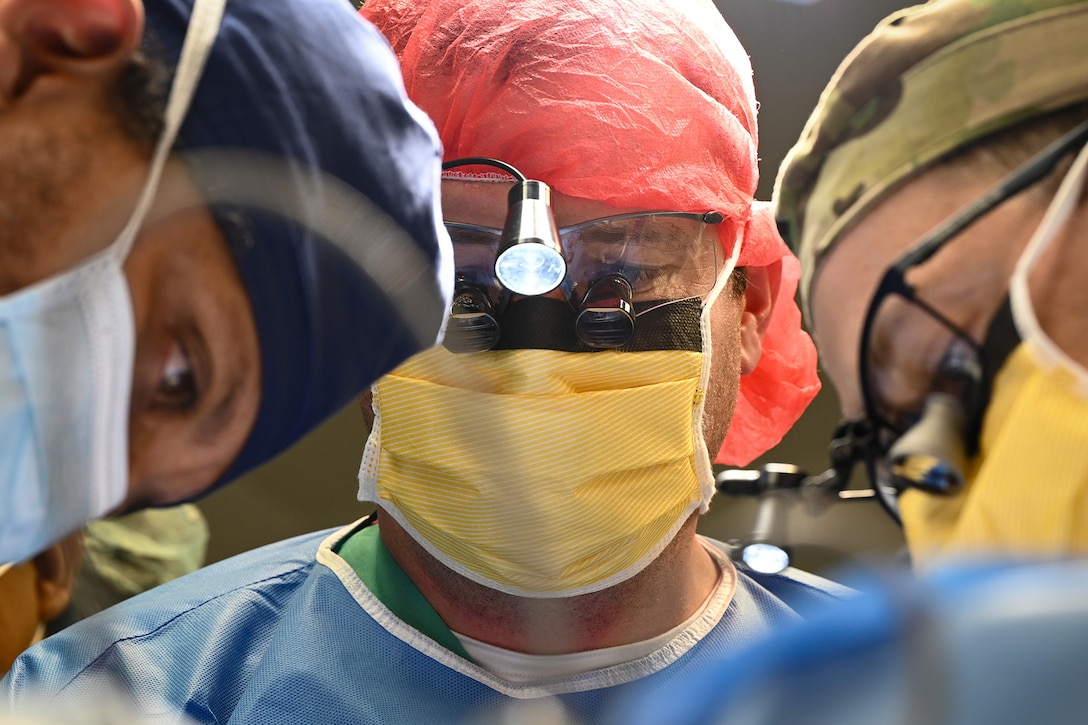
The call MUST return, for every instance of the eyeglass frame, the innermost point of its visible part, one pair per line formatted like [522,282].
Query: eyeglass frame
[859,439]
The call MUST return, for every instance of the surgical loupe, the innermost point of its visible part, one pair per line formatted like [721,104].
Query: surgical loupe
[529,261]
[606,317]
[602,266]
[473,325]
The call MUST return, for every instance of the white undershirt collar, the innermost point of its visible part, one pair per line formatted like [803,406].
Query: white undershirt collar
[521,667]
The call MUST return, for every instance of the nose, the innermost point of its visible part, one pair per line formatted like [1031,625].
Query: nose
[69,36]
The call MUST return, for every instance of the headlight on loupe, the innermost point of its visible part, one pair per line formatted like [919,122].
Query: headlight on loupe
[530,260]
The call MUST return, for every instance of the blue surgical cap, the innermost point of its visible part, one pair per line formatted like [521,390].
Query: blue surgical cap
[324,179]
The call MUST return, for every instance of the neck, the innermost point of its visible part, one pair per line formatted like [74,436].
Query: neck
[661,596]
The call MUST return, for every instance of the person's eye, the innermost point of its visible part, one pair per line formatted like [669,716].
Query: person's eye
[643,278]
[596,244]
[177,387]
[607,235]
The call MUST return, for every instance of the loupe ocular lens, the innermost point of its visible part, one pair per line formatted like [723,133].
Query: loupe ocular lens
[931,455]
[884,485]
[472,325]
[606,317]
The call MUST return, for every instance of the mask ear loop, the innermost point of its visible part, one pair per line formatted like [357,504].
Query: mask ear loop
[703,470]
[368,466]
[203,27]
[115,351]
[1027,324]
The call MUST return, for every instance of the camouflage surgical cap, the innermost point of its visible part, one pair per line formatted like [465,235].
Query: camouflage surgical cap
[928,80]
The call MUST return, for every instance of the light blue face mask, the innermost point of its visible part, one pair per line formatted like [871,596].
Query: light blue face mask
[67,346]
[66,356]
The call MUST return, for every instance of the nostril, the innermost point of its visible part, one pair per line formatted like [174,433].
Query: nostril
[84,37]
[75,41]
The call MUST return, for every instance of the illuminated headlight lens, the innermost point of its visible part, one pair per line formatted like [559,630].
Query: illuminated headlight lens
[530,268]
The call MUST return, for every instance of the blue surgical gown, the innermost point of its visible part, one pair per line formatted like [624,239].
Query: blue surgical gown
[289,633]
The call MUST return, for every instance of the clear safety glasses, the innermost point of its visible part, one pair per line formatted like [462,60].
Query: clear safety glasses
[662,255]
[612,264]
[924,380]
[603,267]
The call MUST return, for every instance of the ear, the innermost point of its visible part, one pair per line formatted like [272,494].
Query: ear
[760,296]
[57,567]
[82,37]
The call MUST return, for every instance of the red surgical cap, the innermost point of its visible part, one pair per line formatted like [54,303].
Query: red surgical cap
[634,103]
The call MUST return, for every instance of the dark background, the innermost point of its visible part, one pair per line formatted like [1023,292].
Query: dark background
[795,48]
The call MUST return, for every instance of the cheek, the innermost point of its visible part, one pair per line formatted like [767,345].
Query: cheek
[838,310]
[724,382]
[164,466]
[366,407]
[186,293]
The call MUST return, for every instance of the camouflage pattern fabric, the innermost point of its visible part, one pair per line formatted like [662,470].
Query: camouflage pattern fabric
[928,80]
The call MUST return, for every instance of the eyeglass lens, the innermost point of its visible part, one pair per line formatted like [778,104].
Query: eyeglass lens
[911,353]
[661,257]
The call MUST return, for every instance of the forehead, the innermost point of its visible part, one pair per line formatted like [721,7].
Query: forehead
[484,203]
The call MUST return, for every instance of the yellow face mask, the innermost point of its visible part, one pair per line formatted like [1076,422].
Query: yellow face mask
[521,469]
[1027,490]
